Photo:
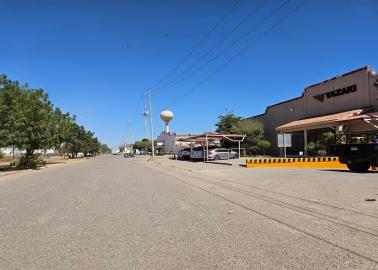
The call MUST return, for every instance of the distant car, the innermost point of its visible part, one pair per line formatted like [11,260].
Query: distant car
[183,154]
[222,153]
[127,155]
[116,152]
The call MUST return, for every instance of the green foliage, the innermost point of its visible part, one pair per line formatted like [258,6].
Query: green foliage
[314,147]
[327,137]
[227,122]
[26,117]
[28,121]
[10,93]
[144,144]
[1,154]
[30,161]
[264,145]
[253,150]
[253,129]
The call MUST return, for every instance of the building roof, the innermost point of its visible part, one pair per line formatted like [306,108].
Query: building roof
[319,121]
[184,135]
[373,116]
[367,68]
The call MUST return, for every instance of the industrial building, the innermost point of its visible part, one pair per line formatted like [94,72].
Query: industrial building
[345,102]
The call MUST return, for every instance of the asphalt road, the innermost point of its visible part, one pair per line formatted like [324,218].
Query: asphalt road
[116,213]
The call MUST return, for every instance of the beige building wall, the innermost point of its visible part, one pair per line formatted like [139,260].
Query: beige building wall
[307,106]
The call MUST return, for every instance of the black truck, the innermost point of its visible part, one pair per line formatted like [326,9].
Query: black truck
[359,151]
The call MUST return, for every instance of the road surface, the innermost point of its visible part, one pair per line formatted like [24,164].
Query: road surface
[116,213]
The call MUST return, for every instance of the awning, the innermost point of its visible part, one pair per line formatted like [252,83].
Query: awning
[214,135]
[369,118]
[366,116]
[319,122]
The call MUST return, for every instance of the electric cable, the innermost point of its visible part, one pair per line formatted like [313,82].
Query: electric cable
[250,14]
[204,38]
[270,29]
[232,44]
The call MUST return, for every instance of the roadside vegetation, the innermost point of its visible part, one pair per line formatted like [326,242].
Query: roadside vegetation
[145,146]
[254,142]
[30,122]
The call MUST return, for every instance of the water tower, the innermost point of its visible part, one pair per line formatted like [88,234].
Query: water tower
[166,116]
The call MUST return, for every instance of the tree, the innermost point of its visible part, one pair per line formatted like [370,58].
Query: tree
[104,149]
[253,129]
[10,93]
[35,121]
[144,144]
[63,125]
[227,122]
[26,117]
[28,121]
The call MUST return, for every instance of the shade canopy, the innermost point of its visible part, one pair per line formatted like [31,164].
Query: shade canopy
[319,122]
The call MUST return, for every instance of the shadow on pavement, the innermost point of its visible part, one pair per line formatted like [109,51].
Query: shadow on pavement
[347,171]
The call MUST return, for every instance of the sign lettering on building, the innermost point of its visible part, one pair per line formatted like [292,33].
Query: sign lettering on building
[337,92]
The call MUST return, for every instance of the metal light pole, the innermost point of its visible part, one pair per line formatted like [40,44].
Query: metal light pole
[151,126]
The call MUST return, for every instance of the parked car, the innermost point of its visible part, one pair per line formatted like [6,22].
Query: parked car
[183,154]
[197,153]
[222,153]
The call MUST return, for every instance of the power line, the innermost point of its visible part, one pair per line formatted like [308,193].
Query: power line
[138,106]
[186,57]
[238,54]
[207,35]
[250,14]
[270,15]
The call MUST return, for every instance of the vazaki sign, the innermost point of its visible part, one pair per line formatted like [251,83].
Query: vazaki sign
[337,92]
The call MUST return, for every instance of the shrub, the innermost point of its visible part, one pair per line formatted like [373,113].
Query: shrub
[1,154]
[253,150]
[264,145]
[30,162]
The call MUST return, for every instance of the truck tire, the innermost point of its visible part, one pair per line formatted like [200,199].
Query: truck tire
[358,166]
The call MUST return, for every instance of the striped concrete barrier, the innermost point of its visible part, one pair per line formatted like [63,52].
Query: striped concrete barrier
[313,162]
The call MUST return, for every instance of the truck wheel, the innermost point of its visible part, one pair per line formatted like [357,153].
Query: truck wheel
[358,166]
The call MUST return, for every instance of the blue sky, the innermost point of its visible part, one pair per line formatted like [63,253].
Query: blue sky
[96,58]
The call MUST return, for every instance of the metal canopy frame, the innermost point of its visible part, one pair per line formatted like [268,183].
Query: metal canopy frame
[369,121]
[212,135]
[367,118]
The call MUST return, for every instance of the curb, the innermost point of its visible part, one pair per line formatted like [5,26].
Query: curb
[218,163]
[316,162]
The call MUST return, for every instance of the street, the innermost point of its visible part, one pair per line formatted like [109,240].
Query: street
[115,213]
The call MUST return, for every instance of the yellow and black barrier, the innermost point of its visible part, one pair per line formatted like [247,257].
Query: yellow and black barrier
[313,162]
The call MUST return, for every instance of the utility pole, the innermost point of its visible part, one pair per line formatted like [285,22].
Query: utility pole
[151,126]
